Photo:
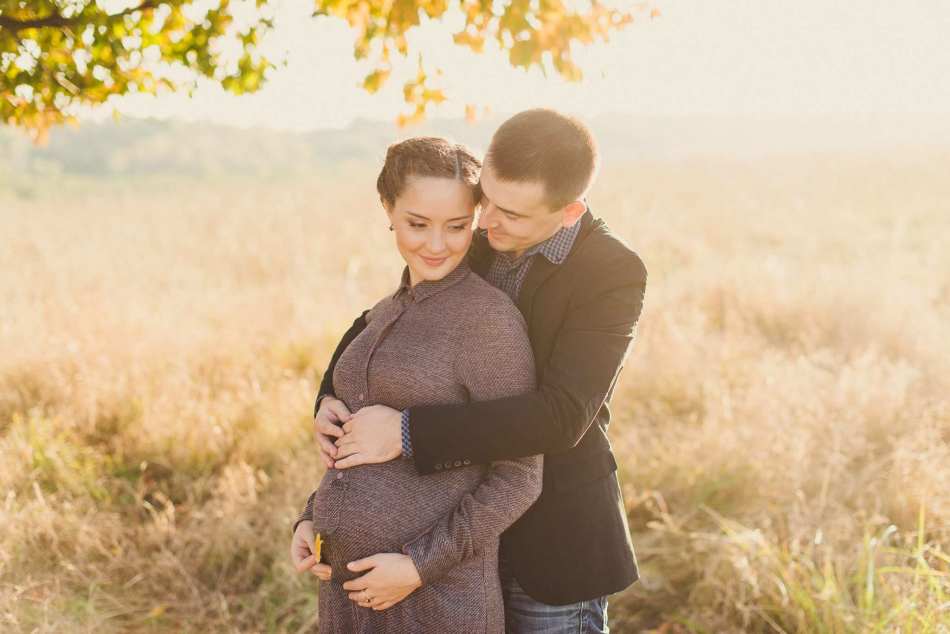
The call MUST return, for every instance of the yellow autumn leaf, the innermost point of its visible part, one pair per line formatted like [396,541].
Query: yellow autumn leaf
[317,546]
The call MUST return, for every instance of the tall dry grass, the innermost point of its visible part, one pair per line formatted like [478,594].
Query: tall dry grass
[783,423]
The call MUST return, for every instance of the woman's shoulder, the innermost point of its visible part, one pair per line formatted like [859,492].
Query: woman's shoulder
[483,303]
[380,306]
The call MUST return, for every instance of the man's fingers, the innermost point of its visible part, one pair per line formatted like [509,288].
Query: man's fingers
[348,426]
[348,449]
[350,461]
[327,460]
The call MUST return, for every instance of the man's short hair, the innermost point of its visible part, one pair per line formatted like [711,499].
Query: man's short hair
[545,146]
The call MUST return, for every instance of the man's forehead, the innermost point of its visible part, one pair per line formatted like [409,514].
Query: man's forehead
[515,195]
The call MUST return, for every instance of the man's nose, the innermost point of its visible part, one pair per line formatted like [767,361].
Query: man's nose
[486,218]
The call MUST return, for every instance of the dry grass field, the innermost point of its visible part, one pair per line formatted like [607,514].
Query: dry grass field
[783,423]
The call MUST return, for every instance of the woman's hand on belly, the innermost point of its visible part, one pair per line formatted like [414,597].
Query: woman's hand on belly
[391,578]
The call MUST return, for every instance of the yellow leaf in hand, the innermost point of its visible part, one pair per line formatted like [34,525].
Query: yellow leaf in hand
[317,545]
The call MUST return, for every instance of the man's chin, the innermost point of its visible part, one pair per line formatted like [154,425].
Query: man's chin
[496,243]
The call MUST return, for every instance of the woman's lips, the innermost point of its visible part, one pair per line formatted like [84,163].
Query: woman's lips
[433,261]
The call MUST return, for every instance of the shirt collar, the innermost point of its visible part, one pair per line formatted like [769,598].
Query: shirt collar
[555,249]
[428,288]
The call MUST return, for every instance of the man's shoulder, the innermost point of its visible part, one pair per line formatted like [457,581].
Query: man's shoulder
[600,251]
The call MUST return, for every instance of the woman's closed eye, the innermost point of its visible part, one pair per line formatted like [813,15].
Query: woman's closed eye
[419,225]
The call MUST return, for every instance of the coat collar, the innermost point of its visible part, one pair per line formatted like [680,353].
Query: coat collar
[480,253]
[428,288]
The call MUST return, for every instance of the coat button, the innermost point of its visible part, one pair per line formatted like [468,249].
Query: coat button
[466,461]
[438,466]
[458,463]
[447,464]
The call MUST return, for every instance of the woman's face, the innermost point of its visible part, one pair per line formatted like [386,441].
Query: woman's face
[432,220]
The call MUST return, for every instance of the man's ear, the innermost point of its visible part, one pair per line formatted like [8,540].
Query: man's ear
[573,212]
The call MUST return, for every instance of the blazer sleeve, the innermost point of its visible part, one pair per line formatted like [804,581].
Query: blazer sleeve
[326,389]
[326,385]
[496,360]
[586,359]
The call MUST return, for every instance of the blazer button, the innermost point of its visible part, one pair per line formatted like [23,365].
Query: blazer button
[458,463]
[466,461]
[448,464]
[438,466]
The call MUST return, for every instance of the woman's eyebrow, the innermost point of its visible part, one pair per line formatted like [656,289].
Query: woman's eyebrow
[412,213]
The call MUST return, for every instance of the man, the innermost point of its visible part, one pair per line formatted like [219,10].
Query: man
[581,291]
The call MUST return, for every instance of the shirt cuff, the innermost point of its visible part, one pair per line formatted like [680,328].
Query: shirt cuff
[406,438]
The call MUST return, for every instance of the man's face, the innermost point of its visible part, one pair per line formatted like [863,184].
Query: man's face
[516,215]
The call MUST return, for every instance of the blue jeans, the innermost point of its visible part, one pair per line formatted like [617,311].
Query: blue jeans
[524,615]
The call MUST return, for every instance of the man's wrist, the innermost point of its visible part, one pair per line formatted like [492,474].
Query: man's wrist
[406,438]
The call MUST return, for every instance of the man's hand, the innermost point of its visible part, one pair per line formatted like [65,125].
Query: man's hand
[301,552]
[372,435]
[326,427]
[391,578]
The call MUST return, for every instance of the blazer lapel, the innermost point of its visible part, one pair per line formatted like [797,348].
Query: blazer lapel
[542,269]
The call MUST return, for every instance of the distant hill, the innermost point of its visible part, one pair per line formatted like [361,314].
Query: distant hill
[134,148]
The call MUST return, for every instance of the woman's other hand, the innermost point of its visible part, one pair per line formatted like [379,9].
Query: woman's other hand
[391,578]
[301,552]
[327,427]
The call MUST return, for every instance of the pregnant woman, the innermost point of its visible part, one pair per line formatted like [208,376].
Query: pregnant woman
[444,336]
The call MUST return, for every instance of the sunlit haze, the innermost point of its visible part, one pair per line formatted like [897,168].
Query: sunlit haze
[745,58]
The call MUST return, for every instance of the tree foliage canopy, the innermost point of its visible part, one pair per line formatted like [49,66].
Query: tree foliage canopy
[56,54]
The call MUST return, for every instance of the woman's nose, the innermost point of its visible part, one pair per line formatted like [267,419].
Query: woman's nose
[436,242]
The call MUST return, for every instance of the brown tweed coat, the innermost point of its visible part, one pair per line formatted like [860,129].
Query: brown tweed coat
[447,341]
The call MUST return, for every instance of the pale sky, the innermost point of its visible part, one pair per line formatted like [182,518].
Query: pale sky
[745,57]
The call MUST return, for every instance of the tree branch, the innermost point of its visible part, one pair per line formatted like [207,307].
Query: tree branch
[58,21]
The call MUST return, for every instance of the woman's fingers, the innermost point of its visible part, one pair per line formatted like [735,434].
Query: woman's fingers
[338,408]
[322,571]
[384,606]
[327,448]
[306,564]
[323,426]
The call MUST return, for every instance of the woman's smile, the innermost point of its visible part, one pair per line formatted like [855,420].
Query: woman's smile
[434,262]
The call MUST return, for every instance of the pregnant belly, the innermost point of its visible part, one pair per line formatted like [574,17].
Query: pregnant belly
[379,508]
